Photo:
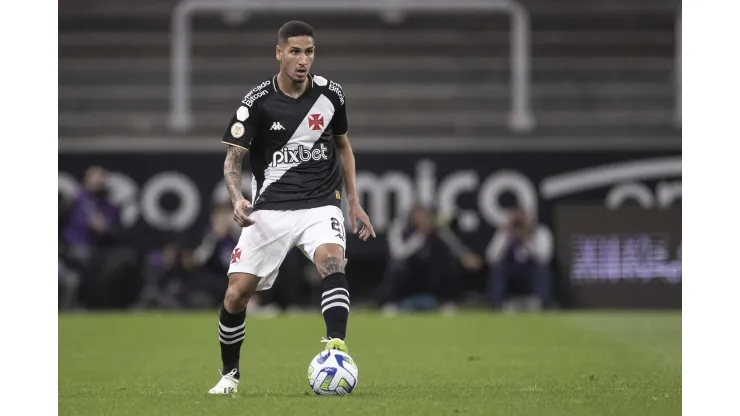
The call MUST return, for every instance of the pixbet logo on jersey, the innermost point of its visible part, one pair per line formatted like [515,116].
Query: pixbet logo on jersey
[301,154]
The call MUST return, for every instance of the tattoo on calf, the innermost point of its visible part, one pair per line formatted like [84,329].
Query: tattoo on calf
[330,265]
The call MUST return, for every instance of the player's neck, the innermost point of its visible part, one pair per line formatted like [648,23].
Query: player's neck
[290,88]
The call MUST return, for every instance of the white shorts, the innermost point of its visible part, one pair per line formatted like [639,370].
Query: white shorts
[263,245]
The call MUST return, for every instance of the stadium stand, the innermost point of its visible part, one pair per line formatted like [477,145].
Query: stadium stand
[599,68]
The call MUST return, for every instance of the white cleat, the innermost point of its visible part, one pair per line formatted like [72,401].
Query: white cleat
[226,385]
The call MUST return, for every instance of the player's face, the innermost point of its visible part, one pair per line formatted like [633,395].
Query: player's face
[296,56]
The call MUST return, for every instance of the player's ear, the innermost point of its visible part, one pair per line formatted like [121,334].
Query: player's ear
[278,53]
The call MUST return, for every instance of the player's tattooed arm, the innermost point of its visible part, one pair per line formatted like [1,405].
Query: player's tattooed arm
[330,265]
[233,172]
[233,179]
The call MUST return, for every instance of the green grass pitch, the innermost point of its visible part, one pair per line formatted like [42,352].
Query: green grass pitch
[473,363]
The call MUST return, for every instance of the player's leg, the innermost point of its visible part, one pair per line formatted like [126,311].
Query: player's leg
[254,266]
[232,320]
[329,261]
[322,240]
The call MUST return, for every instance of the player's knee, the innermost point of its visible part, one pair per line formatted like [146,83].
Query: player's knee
[326,251]
[329,260]
[237,294]
[235,300]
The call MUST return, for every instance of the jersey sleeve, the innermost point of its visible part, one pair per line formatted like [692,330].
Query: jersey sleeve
[339,124]
[242,127]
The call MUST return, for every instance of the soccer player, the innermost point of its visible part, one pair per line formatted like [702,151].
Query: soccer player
[294,126]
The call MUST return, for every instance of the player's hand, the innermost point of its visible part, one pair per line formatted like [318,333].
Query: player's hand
[242,209]
[358,215]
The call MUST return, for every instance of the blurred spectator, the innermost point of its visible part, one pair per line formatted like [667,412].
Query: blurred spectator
[93,219]
[93,245]
[519,256]
[64,213]
[212,255]
[69,283]
[165,275]
[427,264]
[69,279]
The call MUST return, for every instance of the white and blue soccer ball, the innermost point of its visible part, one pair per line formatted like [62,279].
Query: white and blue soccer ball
[332,373]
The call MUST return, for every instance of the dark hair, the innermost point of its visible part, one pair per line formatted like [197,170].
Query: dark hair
[294,28]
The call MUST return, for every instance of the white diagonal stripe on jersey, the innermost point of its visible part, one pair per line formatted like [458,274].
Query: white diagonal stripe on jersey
[323,301]
[329,292]
[227,329]
[331,305]
[303,136]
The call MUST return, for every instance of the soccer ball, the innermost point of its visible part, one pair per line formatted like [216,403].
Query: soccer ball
[332,373]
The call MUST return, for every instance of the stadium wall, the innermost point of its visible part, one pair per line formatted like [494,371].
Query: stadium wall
[168,194]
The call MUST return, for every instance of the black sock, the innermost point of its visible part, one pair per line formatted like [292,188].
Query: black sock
[231,335]
[335,304]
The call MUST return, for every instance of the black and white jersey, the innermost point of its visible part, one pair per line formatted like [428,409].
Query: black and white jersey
[290,141]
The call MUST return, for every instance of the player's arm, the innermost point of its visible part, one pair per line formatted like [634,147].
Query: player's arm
[238,136]
[347,161]
[233,172]
[356,213]
[346,157]
[233,179]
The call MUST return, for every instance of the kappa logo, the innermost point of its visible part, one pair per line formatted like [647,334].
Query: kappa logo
[277,126]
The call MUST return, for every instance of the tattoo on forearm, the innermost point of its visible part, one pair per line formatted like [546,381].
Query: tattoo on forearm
[233,171]
[330,265]
[233,184]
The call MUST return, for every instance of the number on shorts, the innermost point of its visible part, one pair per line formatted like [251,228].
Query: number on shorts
[337,226]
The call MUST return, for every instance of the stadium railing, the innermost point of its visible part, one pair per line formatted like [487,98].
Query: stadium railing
[521,117]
